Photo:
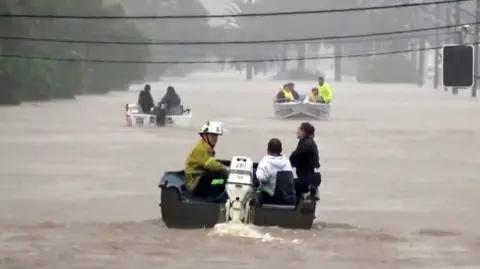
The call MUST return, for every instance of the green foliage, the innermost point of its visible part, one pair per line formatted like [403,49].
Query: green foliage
[32,79]
[387,69]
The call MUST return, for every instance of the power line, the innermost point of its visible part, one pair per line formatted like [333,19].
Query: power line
[162,52]
[13,56]
[341,10]
[172,42]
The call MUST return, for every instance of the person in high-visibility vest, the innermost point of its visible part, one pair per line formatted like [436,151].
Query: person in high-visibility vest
[204,175]
[287,94]
[314,97]
[324,90]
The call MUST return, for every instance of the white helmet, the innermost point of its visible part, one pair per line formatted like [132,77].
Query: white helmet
[212,127]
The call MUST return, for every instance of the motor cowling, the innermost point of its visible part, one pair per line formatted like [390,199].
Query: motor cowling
[239,188]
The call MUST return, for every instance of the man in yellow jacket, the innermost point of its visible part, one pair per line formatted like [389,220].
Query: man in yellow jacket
[324,92]
[204,175]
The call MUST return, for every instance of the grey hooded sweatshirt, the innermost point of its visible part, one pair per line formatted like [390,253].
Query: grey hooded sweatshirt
[267,171]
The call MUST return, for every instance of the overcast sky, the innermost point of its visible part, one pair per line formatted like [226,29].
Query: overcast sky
[216,7]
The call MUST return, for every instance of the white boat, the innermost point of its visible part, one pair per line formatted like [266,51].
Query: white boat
[291,110]
[135,117]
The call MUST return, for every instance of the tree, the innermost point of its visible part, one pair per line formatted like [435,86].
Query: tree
[248,28]
[188,30]
[32,79]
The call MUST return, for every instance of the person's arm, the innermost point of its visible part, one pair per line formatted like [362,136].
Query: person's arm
[150,100]
[289,166]
[329,92]
[203,158]
[262,173]
[296,96]
[280,97]
[140,97]
[301,149]
[208,160]
[177,100]
[165,100]
[211,163]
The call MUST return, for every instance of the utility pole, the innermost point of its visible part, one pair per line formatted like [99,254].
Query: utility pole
[421,62]
[338,50]
[437,44]
[458,33]
[476,51]
[448,38]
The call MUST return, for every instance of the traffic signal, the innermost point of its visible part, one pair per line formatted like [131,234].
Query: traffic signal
[458,66]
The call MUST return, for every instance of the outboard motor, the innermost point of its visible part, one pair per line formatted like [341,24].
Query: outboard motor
[161,115]
[239,188]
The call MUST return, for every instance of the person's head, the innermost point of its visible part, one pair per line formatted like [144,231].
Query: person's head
[170,90]
[305,129]
[321,80]
[211,131]
[274,147]
[315,90]
[290,86]
[147,87]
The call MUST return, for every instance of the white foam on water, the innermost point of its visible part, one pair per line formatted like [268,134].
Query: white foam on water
[246,231]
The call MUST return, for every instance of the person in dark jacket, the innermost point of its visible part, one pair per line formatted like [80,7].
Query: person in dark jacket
[306,161]
[145,99]
[296,96]
[171,99]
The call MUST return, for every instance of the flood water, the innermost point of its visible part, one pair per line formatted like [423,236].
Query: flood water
[400,166]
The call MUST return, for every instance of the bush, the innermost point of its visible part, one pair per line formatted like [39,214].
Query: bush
[387,69]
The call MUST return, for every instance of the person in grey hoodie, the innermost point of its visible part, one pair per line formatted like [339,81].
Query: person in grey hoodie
[273,190]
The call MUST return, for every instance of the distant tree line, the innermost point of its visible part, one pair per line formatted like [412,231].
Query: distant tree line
[32,80]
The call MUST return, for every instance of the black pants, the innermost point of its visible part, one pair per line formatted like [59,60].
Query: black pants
[303,183]
[205,189]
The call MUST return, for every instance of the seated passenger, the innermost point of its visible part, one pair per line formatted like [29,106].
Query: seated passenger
[295,94]
[306,161]
[145,100]
[205,176]
[275,176]
[314,97]
[172,101]
[325,92]
[287,94]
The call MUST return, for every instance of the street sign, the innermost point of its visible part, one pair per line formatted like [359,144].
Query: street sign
[458,66]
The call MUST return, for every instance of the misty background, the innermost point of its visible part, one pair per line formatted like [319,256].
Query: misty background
[34,70]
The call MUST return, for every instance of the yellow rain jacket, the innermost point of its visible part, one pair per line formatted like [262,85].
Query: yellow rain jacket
[325,92]
[200,159]
[288,95]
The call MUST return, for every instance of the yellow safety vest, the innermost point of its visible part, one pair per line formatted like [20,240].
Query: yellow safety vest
[325,92]
[288,95]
